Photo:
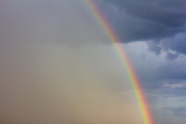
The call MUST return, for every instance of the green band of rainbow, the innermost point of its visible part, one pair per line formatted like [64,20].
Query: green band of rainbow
[101,19]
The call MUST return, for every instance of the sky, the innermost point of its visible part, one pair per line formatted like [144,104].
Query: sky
[153,32]
[59,66]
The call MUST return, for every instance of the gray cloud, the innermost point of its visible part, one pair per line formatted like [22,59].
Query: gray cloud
[157,18]
[154,21]
[175,43]
[152,69]
[174,46]
[168,12]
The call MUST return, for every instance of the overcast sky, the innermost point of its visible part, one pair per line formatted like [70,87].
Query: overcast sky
[58,66]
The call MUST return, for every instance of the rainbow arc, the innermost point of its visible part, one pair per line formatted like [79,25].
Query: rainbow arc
[140,96]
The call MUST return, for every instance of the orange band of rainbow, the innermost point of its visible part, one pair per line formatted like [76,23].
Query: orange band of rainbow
[101,19]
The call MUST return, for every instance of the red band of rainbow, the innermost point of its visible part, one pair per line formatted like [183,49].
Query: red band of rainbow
[101,19]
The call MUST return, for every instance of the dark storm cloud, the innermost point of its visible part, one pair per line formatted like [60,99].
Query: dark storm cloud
[150,20]
[168,12]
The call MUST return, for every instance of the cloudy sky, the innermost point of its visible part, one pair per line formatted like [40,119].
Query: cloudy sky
[58,66]
[153,33]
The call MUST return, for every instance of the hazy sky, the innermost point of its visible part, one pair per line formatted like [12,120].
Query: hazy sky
[58,66]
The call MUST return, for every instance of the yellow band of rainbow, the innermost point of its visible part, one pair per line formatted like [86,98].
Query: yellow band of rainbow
[101,19]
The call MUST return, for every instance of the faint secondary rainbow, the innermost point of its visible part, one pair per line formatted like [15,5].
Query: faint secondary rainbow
[144,107]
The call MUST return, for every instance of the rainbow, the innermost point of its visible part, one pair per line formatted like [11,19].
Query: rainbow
[101,19]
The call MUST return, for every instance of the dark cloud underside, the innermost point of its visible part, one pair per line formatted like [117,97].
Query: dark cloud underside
[149,20]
